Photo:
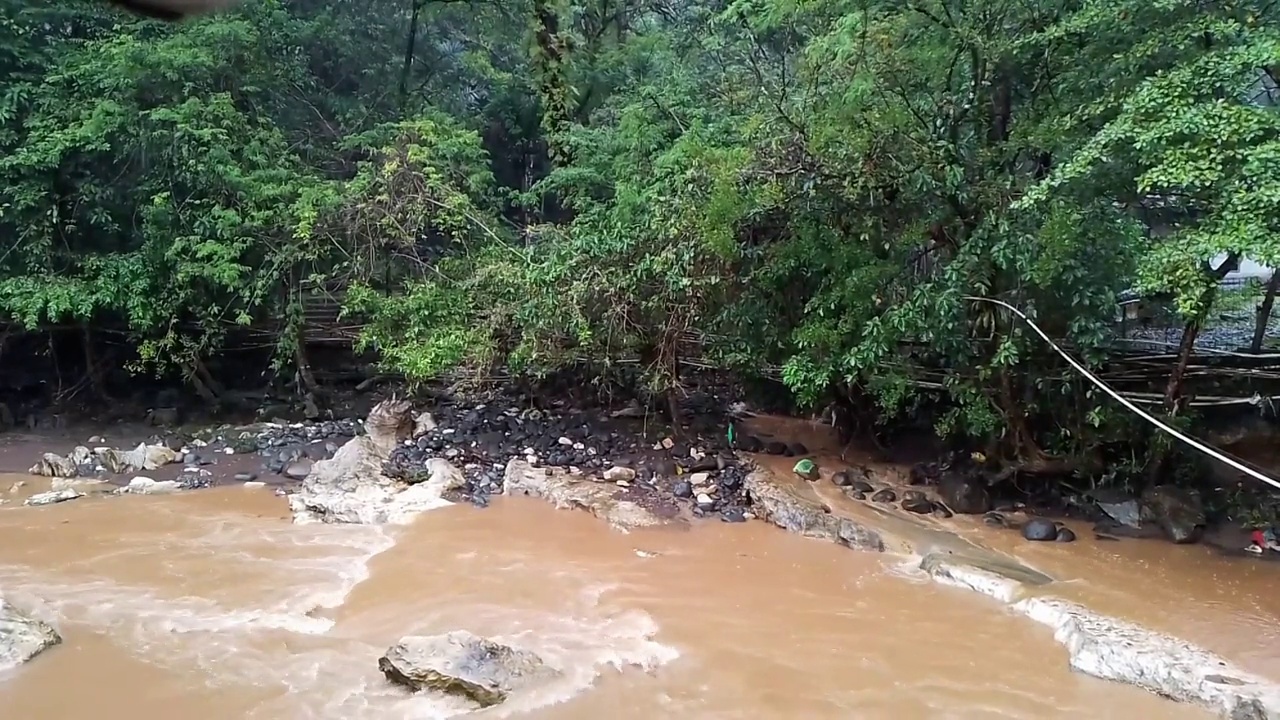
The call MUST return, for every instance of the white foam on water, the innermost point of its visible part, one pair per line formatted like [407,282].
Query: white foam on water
[235,645]
[583,642]
[907,567]
[279,641]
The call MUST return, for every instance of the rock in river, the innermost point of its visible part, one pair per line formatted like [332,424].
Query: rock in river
[886,495]
[1177,511]
[22,637]
[1118,507]
[964,493]
[1040,530]
[142,458]
[775,448]
[53,465]
[916,502]
[861,486]
[298,470]
[54,496]
[462,664]
[146,486]
[351,487]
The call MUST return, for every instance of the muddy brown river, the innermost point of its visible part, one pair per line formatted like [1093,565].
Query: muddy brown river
[211,605]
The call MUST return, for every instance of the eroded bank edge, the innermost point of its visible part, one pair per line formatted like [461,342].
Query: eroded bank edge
[1097,645]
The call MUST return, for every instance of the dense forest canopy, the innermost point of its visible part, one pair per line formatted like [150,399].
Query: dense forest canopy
[527,185]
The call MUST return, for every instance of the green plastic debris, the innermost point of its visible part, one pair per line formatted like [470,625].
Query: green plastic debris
[806,469]
[731,434]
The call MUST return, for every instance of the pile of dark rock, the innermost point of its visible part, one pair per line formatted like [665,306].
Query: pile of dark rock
[482,438]
[287,449]
[275,436]
[717,490]
[753,444]
[291,449]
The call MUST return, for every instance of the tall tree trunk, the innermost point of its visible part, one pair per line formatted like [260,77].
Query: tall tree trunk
[410,49]
[1174,400]
[1264,313]
[312,393]
[1173,390]
[91,365]
[198,376]
[551,75]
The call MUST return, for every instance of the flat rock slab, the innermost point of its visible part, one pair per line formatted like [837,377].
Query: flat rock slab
[462,664]
[996,577]
[567,491]
[1116,650]
[22,637]
[53,497]
[799,510]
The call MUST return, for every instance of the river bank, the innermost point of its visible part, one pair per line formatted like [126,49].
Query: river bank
[824,509]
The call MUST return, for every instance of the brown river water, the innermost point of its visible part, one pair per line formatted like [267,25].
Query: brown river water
[212,605]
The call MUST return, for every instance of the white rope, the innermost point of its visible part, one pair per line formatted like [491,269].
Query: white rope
[1206,449]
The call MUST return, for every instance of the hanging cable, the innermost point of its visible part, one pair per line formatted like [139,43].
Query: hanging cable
[1206,449]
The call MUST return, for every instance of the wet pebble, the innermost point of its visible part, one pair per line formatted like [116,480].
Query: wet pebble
[619,474]
[886,495]
[298,470]
[1065,534]
[915,501]
[194,481]
[861,486]
[731,478]
[246,476]
[682,489]
[841,479]
[995,519]
[942,511]
[733,515]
